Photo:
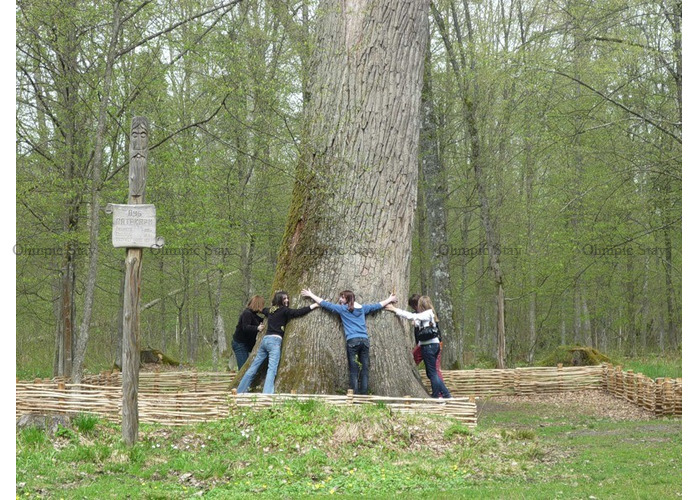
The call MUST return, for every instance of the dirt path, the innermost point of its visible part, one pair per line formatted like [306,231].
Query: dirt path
[579,403]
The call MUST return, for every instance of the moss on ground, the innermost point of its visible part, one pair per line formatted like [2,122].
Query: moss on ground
[574,356]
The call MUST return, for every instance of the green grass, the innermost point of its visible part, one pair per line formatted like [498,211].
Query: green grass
[311,449]
[655,367]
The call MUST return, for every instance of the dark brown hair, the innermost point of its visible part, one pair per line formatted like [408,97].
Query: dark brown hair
[278,299]
[349,297]
[413,301]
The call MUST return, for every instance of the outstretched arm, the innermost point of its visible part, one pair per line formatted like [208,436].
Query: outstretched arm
[377,306]
[422,316]
[389,300]
[321,302]
[308,293]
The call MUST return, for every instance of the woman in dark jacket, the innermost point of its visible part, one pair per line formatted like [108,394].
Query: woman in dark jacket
[271,346]
[249,324]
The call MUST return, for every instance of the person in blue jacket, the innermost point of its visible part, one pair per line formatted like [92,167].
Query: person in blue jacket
[352,315]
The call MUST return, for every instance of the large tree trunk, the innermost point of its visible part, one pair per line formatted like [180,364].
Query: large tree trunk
[351,218]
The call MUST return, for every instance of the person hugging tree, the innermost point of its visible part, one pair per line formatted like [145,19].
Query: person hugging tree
[352,315]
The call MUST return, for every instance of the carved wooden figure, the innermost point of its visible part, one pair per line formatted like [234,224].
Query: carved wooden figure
[138,151]
[138,155]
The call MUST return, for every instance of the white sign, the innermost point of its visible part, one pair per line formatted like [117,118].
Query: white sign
[134,226]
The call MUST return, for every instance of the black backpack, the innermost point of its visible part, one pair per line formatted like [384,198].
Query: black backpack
[429,333]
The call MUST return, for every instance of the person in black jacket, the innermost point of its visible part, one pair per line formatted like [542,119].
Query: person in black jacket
[249,324]
[271,345]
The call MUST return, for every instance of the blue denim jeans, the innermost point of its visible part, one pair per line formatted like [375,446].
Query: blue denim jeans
[270,347]
[358,347]
[430,354]
[241,351]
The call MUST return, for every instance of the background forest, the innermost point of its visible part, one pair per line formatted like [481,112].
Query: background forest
[550,172]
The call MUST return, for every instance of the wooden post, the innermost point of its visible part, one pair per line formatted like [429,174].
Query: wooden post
[138,154]
[658,393]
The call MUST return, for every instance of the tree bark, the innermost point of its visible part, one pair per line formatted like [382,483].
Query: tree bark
[351,218]
[67,50]
[469,110]
[91,281]
[219,344]
[435,194]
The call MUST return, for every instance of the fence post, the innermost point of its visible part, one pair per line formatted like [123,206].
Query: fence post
[658,396]
[560,373]
[628,377]
[619,382]
[668,397]
[639,394]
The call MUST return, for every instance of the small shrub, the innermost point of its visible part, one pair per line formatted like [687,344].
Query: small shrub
[86,422]
[136,455]
[517,434]
[456,430]
[524,434]
[308,407]
[534,453]
[33,437]
[66,433]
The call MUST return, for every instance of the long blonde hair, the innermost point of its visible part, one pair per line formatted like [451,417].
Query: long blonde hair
[424,303]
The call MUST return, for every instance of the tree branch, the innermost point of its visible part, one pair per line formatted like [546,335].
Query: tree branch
[175,26]
[620,105]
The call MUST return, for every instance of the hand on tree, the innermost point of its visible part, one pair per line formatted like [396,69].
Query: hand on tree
[308,293]
[390,307]
[392,298]
[261,327]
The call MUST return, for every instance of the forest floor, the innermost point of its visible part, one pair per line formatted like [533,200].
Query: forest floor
[595,403]
[586,445]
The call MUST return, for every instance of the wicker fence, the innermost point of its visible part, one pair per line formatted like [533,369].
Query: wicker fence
[663,396]
[180,408]
[174,398]
[169,381]
[521,381]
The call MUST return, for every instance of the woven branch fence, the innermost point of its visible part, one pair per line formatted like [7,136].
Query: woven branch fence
[173,398]
[181,408]
[521,381]
[663,396]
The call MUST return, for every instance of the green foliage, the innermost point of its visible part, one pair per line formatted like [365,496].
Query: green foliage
[570,167]
[457,429]
[31,437]
[655,367]
[66,433]
[85,422]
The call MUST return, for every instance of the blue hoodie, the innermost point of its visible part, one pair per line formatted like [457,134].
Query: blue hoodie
[353,322]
